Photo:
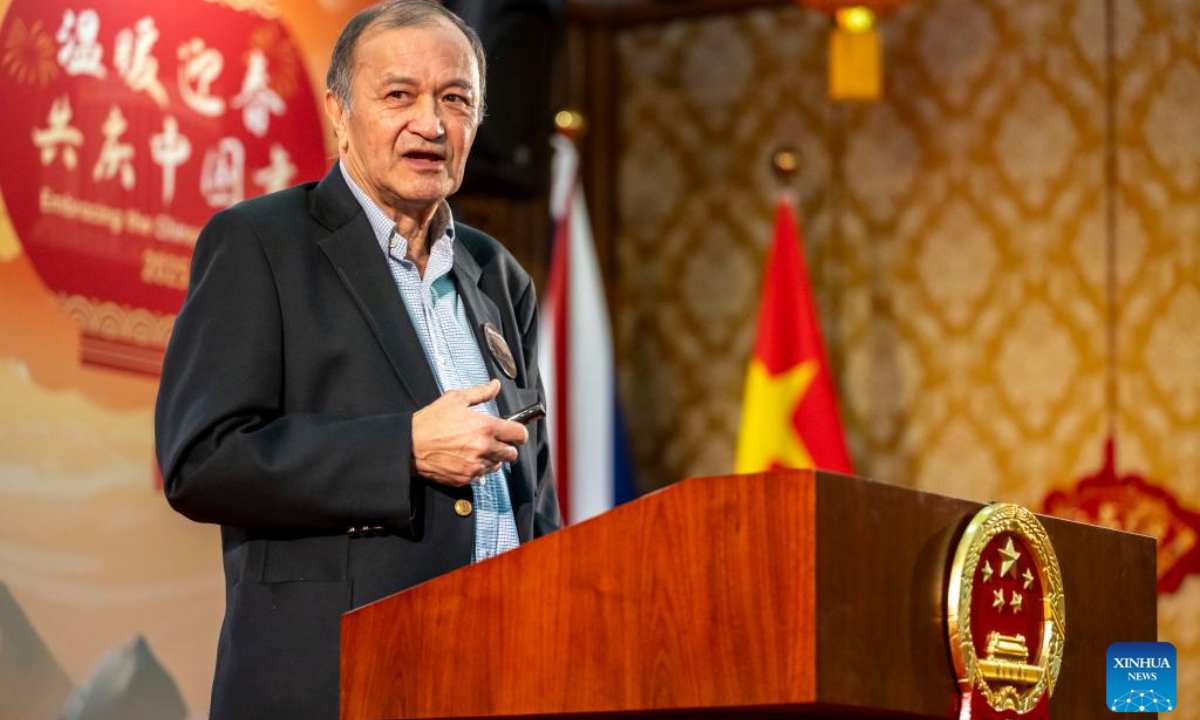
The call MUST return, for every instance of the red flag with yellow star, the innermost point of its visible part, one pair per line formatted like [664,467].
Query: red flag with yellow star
[789,415]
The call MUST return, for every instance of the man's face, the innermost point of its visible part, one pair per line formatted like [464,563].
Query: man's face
[413,116]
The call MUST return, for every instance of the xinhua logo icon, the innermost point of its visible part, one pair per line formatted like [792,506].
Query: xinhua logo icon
[1141,677]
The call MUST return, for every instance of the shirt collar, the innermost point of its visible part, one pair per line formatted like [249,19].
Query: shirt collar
[441,251]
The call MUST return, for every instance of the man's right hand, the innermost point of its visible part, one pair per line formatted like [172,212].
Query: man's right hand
[453,444]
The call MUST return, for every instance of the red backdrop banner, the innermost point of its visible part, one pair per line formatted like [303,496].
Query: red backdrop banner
[130,123]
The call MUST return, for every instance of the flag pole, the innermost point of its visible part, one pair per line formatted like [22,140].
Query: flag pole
[570,123]
[785,163]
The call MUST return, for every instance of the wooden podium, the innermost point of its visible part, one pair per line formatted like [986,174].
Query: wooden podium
[782,594]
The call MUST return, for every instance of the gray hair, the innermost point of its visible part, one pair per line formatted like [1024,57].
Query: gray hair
[389,15]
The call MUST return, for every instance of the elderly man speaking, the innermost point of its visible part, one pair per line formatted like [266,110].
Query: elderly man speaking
[334,389]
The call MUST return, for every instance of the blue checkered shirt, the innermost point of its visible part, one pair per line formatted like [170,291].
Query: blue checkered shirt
[440,319]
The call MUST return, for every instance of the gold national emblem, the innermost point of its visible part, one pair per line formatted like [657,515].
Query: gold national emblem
[1006,615]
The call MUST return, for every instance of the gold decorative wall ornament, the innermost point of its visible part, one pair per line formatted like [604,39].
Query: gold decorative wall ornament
[1006,614]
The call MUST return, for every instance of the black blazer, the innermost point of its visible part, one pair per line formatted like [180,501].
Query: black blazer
[284,415]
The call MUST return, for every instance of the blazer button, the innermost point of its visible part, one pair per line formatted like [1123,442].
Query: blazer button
[463,507]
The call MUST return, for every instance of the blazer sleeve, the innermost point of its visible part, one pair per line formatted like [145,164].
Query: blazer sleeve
[546,514]
[228,451]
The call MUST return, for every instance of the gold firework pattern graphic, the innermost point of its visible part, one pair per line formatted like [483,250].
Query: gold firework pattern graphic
[29,54]
[282,62]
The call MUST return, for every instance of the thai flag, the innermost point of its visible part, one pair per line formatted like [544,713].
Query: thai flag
[575,353]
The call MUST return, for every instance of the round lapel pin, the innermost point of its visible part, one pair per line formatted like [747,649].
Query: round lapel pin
[500,351]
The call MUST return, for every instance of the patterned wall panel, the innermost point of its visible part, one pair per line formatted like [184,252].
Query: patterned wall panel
[957,234]
[1159,156]
[703,105]
[1157,51]
[973,266]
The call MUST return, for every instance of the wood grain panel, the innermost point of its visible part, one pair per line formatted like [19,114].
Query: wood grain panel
[769,595]
[699,596]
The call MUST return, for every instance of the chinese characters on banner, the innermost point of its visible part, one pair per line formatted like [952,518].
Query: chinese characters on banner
[142,119]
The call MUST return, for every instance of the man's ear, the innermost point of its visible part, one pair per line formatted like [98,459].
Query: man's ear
[337,117]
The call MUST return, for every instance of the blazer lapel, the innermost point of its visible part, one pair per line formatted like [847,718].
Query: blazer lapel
[481,309]
[361,265]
